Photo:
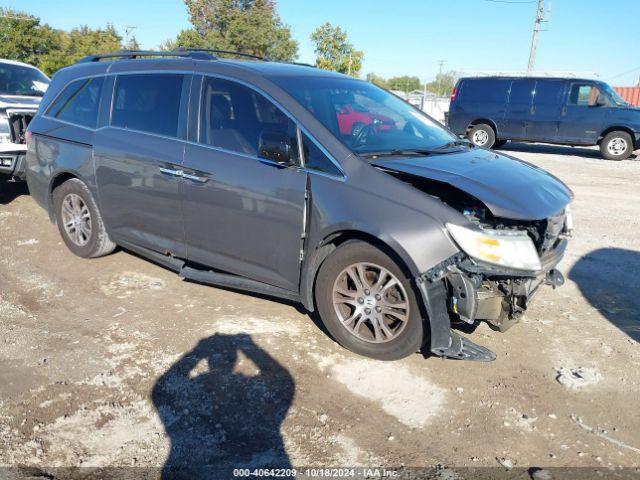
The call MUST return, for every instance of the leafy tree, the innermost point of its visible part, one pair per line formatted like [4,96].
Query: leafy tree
[23,38]
[334,52]
[78,43]
[443,83]
[377,80]
[404,83]
[247,26]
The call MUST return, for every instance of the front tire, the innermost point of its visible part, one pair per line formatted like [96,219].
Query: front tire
[79,220]
[616,146]
[367,303]
[482,135]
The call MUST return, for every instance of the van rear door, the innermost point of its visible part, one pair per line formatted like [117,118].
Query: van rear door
[544,117]
[518,109]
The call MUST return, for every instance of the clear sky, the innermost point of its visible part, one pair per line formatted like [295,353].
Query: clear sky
[412,36]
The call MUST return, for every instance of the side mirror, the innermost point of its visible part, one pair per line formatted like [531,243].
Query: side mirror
[601,101]
[276,146]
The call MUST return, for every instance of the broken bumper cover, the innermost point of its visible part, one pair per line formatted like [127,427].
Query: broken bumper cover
[12,159]
[470,290]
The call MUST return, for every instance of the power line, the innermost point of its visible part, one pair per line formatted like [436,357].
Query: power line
[516,2]
[624,73]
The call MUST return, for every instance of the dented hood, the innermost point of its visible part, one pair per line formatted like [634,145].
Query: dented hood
[509,187]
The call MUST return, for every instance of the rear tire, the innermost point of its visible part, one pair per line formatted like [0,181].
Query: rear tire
[79,220]
[482,135]
[616,146]
[381,327]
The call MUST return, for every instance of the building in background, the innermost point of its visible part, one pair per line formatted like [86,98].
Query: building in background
[629,94]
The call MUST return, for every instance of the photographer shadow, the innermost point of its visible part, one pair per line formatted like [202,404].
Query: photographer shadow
[222,405]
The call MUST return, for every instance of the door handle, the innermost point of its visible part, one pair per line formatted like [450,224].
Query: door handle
[169,171]
[195,178]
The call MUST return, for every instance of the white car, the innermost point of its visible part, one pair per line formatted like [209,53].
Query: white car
[21,89]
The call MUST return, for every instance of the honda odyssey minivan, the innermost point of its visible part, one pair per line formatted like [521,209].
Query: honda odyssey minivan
[567,111]
[237,173]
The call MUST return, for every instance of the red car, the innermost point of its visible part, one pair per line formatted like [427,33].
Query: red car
[352,118]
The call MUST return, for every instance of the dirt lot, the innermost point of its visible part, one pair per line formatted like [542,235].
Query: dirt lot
[116,362]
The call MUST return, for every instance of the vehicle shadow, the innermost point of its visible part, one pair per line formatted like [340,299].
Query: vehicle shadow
[222,405]
[606,277]
[555,150]
[9,191]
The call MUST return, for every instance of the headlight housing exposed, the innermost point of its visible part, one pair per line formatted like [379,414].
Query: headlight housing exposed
[505,248]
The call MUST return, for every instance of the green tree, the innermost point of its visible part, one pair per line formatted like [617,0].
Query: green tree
[334,52]
[78,43]
[23,38]
[247,26]
[377,80]
[443,83]
[404,83]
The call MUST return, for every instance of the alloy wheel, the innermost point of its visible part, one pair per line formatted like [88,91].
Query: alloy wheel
[76,219]
[371,303]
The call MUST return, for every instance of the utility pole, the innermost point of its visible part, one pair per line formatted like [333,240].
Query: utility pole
[440,77]
[534,37]
[127,31]
[350,62]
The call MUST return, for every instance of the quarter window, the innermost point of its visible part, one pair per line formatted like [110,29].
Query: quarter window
[583,94]
[234,117]
[78,103]
[315,159]
[148,103]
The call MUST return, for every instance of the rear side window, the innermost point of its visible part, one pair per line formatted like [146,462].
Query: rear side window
[234,117]
[148,103]
[485,90]
[548,92]
[78,103]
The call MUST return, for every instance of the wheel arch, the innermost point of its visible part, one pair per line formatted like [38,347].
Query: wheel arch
[56,180]
[619,128]
[480,121]
[316,256]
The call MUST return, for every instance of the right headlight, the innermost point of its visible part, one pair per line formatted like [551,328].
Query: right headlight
[505,248]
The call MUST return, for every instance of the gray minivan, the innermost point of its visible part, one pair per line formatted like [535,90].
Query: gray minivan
[489,111]
[243,174]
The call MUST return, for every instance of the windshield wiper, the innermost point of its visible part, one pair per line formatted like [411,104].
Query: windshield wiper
[400,153]
[454,143]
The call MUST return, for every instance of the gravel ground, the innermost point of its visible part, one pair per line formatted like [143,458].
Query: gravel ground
[116,362]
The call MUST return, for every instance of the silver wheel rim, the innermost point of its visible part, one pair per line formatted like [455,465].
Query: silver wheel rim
[617,146]
[371,303]
[480,137]
[76,219]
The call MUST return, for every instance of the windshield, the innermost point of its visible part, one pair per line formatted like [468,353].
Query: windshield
[613,95]
[376,120]
[20,80]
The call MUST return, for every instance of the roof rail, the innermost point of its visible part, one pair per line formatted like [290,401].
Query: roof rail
[223,52]
[133,54]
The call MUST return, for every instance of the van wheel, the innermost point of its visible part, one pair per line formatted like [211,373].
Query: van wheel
[366,302]
[616,146]
[79,220]
[482,135]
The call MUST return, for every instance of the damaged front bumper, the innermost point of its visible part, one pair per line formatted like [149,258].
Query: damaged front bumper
[465,289]
[13,160]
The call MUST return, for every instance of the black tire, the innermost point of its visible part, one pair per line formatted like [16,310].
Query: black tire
[609,152]
[98,242]
[499,143]
[408,340]
[482,131]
